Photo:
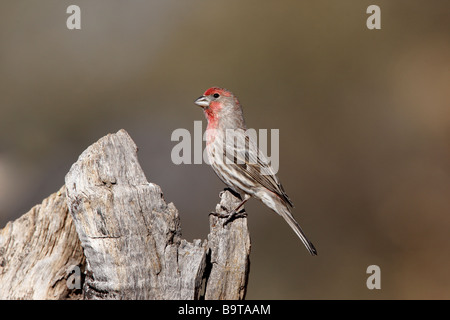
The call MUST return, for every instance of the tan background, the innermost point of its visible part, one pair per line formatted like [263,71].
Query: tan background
[364,119]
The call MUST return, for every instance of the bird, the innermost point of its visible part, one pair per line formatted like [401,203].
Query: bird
[239,163]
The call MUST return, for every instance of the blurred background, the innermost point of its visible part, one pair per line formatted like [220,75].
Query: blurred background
[364,120]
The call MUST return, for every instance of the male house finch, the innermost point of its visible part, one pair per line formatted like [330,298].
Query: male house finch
[238,161]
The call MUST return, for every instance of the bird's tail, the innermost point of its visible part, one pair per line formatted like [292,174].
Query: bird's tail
[286,214]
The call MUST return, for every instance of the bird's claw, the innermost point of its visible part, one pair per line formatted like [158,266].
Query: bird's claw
[234,215]
[229,216]
[219,215]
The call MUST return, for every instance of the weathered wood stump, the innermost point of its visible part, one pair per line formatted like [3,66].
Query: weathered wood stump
[122,235]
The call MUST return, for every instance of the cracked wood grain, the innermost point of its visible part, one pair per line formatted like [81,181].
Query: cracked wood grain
[124,235]
[37,250]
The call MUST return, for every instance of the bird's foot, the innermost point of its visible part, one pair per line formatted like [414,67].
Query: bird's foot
[230,216]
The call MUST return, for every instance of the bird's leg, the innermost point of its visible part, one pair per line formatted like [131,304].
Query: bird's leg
[233,214]
[234,193]
[236,213]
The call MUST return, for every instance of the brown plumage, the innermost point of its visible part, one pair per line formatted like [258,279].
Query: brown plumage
[237,160]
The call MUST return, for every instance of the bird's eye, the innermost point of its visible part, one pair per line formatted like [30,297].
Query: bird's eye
[216,95]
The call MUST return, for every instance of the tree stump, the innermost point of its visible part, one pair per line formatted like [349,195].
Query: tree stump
[123,236]
[37,252]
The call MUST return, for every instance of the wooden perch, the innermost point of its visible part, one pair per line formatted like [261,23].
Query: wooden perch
[127,241]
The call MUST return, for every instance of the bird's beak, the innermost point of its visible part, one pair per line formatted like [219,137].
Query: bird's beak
[202,101]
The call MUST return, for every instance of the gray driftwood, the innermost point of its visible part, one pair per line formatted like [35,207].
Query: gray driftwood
[127,242]
[37,252]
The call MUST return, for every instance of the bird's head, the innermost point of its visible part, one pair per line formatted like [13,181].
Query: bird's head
[220,105]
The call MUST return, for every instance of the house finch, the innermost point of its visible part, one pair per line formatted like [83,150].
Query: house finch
[237,160]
